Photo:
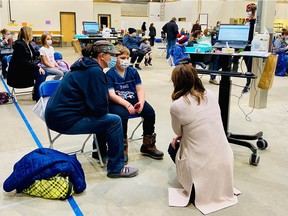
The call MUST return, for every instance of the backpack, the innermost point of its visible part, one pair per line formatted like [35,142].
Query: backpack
[4,97]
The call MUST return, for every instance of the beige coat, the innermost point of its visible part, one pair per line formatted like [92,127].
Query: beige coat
[205,157]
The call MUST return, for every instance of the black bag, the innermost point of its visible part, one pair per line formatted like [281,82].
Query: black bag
[4,97]
[172,152]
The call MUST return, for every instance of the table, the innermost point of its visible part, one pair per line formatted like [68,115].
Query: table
[37,39]
[90,40]
[224,101]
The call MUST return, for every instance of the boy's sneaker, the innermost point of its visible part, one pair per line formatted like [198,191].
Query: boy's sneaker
[126,172]
[138,67]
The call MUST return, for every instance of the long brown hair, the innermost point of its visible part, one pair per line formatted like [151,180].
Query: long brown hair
[186,81]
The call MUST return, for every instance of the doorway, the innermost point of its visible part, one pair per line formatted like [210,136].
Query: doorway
[104,20]
[67,27]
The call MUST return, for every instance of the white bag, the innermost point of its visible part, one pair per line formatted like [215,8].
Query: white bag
[40,106]
[170,61]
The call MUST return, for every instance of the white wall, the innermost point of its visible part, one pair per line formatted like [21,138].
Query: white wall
[36,12]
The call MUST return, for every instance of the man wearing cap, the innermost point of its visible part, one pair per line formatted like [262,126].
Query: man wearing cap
[178,50]
[131,42]
[171,29]
[80,106]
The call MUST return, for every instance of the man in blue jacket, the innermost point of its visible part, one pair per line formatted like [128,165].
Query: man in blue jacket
[80,106]
[171,29]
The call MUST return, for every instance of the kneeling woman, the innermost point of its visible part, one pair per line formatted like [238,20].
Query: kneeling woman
[204,160]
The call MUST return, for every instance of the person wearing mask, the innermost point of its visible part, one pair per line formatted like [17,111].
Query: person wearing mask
[127,97]
[204,158]
[132,43]
[251,20]
[22,71]
[152,34]
[280,48]
[146,48]
[178,50]
[47,58]
[80,106]
[6,49]
[171,29]
[143,28]
[215,32]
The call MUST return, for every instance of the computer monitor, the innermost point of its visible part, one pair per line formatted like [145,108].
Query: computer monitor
[230,32]
[90,28]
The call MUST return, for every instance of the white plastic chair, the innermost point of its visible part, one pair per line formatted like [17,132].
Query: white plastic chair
[46,89]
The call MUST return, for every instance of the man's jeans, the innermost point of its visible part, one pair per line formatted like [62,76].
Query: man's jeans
[110,125]
[170,44]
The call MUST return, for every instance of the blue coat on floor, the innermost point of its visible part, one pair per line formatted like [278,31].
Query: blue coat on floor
[44,163]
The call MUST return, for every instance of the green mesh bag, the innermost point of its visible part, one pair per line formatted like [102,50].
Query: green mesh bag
[56,187]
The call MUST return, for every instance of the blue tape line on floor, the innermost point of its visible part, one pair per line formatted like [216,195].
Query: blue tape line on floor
[71,200]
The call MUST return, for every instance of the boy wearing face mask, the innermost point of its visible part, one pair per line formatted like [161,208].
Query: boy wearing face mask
[178,50]
[48,62]
[127,97]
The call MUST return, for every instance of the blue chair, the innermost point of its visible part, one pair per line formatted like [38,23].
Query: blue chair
[59,59]
[46,89]
[133,117]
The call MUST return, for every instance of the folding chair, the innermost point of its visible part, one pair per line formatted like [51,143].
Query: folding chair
[161,49]
[46,89]
[13,91]
[132,117]
[59,59]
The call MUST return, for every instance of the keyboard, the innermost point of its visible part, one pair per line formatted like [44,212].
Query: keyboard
[231,44]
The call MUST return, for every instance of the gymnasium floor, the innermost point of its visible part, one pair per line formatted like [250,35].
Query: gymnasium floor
[264,187]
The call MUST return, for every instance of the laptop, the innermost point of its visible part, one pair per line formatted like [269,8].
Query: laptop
[234,36]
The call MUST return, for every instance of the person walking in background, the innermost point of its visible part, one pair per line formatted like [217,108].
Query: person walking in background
[204,158]
[22,71]
[132,43]
[143,28]
[171,29]
[80,106]
[152,34]
[47,57]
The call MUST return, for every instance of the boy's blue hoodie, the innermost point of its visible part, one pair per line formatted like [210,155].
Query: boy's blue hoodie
[82,92]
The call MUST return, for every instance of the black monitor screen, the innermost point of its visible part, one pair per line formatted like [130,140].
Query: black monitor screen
[90,27]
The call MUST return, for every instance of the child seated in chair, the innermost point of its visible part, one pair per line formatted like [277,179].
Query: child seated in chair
[127,97]
[47,58]
[146,48]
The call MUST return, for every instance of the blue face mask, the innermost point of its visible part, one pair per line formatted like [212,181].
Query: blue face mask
[112,62]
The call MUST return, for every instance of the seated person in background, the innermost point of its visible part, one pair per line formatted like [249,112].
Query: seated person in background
[80,105]
[5,49]
[204,160]
[280,48]
[127,97]
[194,37]
[22,71]
[146,48]
[178,50]
[131,42]
[47,58]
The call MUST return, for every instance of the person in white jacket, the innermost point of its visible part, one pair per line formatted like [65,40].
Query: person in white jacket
[204,160]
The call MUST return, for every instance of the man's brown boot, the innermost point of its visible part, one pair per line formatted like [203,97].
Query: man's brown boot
[148,147]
